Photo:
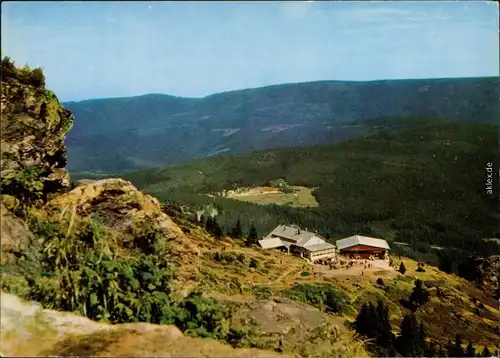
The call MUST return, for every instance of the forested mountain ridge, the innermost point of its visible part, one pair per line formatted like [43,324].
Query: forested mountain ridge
[122,134]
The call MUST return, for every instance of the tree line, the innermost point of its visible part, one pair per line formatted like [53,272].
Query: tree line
[373,322]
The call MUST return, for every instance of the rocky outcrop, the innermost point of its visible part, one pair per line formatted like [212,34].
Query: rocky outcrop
[127,211]
[485,272]
[34,125]
[45,332]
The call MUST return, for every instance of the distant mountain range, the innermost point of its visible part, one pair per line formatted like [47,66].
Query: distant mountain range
[116,135]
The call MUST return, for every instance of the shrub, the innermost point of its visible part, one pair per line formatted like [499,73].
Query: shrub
[243,259]
[229,257]
[322,296]
[305,273]
[254,263]
[420,269]
[380,281]
[262,292]
[199,316]
[24,75]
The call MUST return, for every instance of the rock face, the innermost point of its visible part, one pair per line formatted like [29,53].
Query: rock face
[32,141]
[124,209]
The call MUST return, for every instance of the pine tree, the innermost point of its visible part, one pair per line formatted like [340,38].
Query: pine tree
[457,350]
[373,322]
[470,351]
[402,268]
[410,340]
[252,236]
[385,337]
[209,224]
[237,231]
[419,295]
[486,352]
[361,319]
[216,229]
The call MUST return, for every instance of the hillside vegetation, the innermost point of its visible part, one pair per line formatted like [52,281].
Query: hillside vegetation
[122,134]
[417,181]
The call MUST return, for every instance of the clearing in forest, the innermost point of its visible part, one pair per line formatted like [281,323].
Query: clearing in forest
[296,196]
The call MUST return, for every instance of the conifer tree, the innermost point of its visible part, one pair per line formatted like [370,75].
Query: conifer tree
[457,350]
[486,352]
[402,268]
[385,337]
[361,319]
[470,351]
[216,229]
[419,295]
[237,231]
[373,322]
[410,340]
[209,224]
[252,236]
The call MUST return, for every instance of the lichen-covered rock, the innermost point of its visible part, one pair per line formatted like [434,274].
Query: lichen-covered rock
[34,125]
[127,211]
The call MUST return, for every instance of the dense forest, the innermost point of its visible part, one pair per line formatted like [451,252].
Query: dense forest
[418,181]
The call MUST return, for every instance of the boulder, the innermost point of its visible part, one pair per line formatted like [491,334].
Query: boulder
[126,210]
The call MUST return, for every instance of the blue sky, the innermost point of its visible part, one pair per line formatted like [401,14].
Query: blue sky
[192,49]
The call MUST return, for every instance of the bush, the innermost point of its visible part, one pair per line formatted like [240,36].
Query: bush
[243,259]
[322,296]
[305,273]
[229,257]
[199,316]
[380,281]
[420,269]
[262,292]
[254,263]
[24,75]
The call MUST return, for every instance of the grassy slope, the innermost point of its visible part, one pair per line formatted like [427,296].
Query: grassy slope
[420,180]
[123,134]
[442,317]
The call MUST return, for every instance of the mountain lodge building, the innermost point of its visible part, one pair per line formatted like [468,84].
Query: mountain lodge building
[363,247]
[299,242]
